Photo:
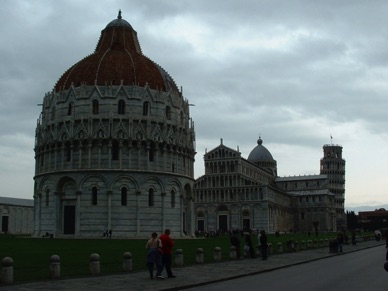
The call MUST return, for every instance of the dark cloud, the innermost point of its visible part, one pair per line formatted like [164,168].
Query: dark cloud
[293,71]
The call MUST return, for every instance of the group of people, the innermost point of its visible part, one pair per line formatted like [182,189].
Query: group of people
[159,254]
[107,233]
[248,247]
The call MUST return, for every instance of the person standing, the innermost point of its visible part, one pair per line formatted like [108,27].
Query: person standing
[168,244]
[263,245]
[340,240]
[154,257]
[248,242]
[235,241]
[386,238]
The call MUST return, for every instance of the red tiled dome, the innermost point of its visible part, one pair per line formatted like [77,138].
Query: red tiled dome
[117,58]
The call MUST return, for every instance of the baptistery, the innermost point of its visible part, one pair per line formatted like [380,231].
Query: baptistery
[115,146]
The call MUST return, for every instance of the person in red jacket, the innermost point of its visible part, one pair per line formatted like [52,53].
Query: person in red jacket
[167,244]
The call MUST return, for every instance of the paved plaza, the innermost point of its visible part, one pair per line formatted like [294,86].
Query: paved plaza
[190,276]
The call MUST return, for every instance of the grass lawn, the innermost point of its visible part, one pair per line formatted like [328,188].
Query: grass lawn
[31,256]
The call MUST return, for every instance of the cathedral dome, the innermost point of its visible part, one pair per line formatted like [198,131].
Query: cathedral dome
[260,153]
[117,60]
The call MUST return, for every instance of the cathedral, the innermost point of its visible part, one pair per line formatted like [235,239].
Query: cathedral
[114,146]
[246,194]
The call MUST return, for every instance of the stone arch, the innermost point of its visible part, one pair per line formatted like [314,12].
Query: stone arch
[44,184]
[153,182]
[122,181]
[87,182]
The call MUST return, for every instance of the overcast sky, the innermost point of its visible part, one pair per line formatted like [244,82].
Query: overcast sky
[294,72]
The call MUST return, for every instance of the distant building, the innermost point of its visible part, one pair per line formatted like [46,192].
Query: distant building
[239,193]
[114,146]
[373,220]
[17,215]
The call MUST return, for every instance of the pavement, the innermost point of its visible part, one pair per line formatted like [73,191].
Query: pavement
[191,276]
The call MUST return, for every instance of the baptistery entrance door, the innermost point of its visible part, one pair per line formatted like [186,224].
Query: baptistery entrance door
[69,219]
[223,222]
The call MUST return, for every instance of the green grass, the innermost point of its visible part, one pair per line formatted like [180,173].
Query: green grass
[31,256]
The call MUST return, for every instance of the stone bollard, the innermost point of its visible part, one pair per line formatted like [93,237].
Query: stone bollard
[309,244]
[199,258]
[217,254]
[315,243]
[127,262]
[296,245]
[6,270]
[94,265]
[303,245]
[233,253]
[321,244]
[55,267]
[179,257]
[280,248]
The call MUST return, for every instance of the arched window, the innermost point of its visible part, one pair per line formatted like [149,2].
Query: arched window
[168,113]
[70,109]
[115,150]
[182,118]
[124,192]
[172,198]
[95,106]
[151,197]
[121,107]
[146,108]
[94,195]
[47,197]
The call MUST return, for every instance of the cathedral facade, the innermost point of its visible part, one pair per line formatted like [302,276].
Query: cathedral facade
[246,194]
[114,147]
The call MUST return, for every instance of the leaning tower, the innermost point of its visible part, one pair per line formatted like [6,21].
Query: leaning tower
[114,146]
[333,165]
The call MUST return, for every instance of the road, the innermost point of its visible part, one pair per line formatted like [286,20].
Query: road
[361,270]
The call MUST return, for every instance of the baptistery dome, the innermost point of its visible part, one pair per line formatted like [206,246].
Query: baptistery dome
[117,59]
[114,146]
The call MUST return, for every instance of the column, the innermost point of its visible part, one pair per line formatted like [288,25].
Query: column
[78,213]
[110,154]
[138,155]
[163,210]
[181,214]
[56,220]
[37,207]
[99,154]
[191,216]
[55,156]
[121,154]
[148,149]
[138,193]
[110,209]
[90,154]
[80,156]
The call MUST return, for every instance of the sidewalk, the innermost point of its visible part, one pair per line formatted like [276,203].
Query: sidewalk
[190,276]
